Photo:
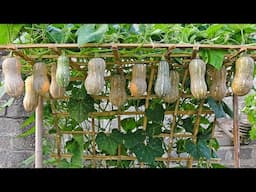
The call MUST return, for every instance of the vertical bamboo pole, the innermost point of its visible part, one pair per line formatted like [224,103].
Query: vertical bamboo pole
[236,133]
[38,134]
[93,143]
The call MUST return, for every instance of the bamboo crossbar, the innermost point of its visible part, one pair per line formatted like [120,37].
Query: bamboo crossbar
[86,132]
[122,157]
[125,45]
[110,113]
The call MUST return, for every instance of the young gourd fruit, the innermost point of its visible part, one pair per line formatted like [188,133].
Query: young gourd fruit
[41,82]
[163,84]
[138,85]
[197,69]
[30,100]
[62,72]
[118,95]
[13,83]
[173,94]
[94,82]
[218,88]
[243,80]
[56,91]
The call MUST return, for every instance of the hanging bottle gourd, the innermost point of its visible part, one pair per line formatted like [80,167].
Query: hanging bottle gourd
[118,95]
[94,82]
[138,85]
[30,100]
[163,84]
[62,72]
[41,82]
[13,83]
[197,69]
[243,80]
[218,88]
[56,91]
[173,94]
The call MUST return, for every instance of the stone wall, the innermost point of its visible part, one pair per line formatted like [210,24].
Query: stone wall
[13,149]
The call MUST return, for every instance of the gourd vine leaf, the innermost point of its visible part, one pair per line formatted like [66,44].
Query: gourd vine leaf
[91,33]
[148,153]
[128,124]
[227,109]
[153,129]
[133,139]
[80,104]
[214,57]
[106,144]
[155,113]
[216,107]
[198,150]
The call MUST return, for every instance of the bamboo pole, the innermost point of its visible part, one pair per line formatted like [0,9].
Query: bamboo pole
[236,133]
[125,45]
[38,134]
[110,113]
[122,157]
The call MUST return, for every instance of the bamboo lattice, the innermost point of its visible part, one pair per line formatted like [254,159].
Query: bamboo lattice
[113,55]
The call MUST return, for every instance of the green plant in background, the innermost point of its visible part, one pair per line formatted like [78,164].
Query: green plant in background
[131,138]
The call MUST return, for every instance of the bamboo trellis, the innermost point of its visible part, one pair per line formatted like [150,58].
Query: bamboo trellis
[121,60]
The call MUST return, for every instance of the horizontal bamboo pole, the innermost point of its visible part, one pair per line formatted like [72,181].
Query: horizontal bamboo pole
[122,157]
[110,55]
[110,113]
[125,45]
[131,97]
[177,135]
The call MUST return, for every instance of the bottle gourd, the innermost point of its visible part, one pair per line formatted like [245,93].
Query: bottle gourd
[197,69]
[118,95]
[41,82]
[173,94]
[13,83]
[163,84]
[138,85]
[94,82]
[30,100]
[56,91]
[62,72]
[243,80]
[218,88]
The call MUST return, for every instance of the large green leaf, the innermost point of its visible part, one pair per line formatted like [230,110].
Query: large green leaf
[28,121]
[80,104]
[153,129]
[227,109]
[132,139]
[91,33]
[30,131]
[155,113]
[8,32]
[106,144]
[55,34]
[117,136]
[148,153]
[155,145]
[128,124]
[143,153]
[187,124]
[215,57]
[198,150]
[216,107]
